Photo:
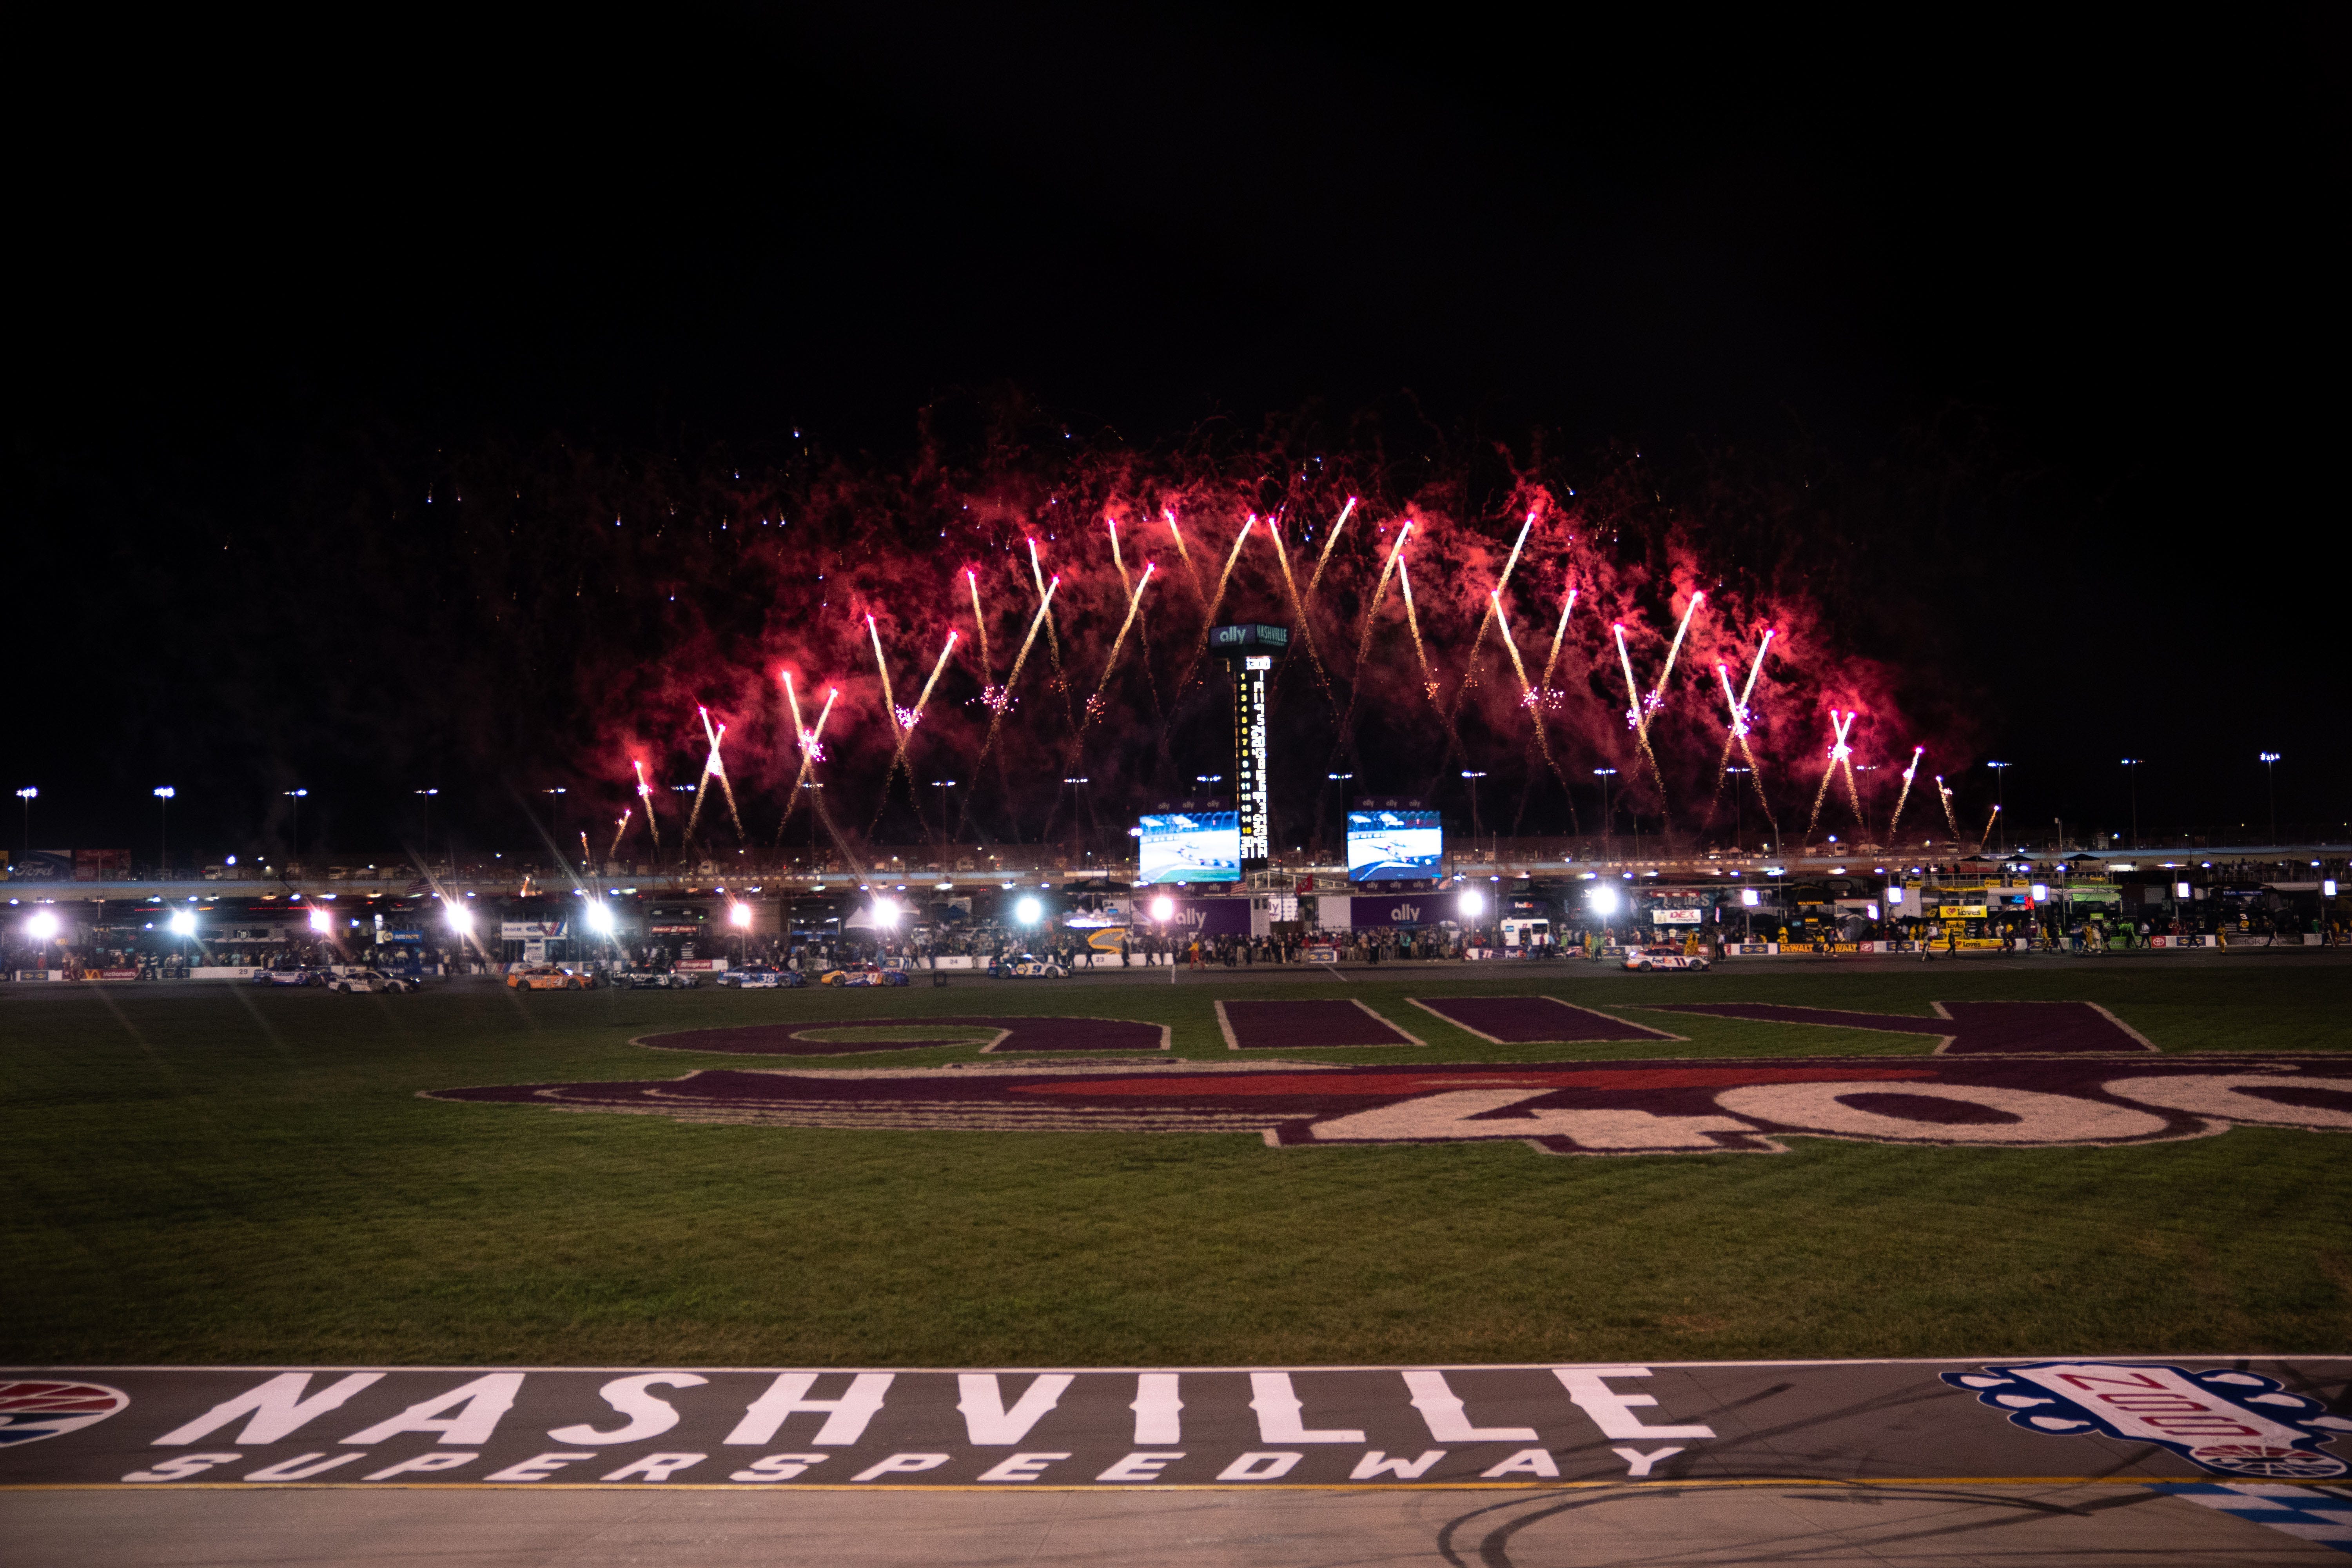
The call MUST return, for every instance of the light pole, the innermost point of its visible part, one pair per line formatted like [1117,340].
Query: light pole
[2270,768]
[1474,776]
[1347,783]
[2000,794]
[428,795]
[2131,780]
[164,832]
[1604,774]
[941,785]
[297,796]
[1076,805]
[1738,809]
[813,810]
[28,795]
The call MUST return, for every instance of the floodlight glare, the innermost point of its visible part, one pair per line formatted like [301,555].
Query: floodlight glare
[459,920]
[1473,902]
[321,920]
[182,923]
[1603,899]
[739,916]
[42,926]
[886,913]
[1163,908]
[1027,910]
[600,920]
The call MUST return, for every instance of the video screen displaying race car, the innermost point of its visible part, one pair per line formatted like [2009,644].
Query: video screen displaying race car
[1197,847]
[1395,846]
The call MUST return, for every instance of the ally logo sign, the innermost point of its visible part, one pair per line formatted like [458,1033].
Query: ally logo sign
[2233,1423]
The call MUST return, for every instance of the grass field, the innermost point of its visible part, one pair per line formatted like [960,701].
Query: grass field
[216,1173]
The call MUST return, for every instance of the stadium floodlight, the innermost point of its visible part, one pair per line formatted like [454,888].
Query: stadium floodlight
[1027,912]
[739,915]
[886,912]
[182,923]
[1163,909]
[41,926]
[321,921]
[600,919]
[1472,903]
[459,920]
[1603,899]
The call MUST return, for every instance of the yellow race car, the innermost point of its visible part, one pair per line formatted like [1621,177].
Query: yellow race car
[549,977]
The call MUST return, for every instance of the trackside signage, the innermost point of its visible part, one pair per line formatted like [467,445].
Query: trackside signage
[1320,1426]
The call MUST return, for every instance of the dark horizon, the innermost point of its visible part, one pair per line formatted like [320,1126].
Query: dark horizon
[2017,348]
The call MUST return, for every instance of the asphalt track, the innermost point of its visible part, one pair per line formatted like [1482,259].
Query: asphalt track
[1928,1462]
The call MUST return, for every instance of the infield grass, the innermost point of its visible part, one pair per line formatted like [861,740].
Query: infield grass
[221,1175]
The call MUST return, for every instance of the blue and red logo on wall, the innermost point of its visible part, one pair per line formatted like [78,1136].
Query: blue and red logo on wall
[30,1411]
[2233,1423]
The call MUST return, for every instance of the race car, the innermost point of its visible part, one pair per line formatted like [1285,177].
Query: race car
[369,980]
[549,977]
[760,977]
[655,980]
[863,975]
[1029,966]
[1648,958]
[286,977]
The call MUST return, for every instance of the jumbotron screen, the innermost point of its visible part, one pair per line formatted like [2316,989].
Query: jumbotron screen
[1395,846]
[1195,846]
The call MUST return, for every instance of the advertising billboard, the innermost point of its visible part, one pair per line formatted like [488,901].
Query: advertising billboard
[1394,845]
[1191,847]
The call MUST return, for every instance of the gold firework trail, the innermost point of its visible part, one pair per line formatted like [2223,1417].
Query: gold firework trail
[1190,566]
[1636,717]
[1895,822]
[619,830]
[716,766]
[889,703]
[1299,611]
[810,741]
[1944,792]
[980,622]
[1208,619]
[1329,540]
[1839,753]
[907,730]
[1528,696]
[1658,694]
[1134,604]
[1987,834]
[996,712]
[1053,644]
[1347,737]
[1493,602]
[645,793]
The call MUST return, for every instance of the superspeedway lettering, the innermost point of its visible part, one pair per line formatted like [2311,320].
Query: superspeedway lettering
[1318,1427]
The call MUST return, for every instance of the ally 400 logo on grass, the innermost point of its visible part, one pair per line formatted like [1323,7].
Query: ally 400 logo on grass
[2235,1422]
[1997,1074]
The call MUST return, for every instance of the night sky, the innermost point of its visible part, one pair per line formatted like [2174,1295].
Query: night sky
[2039,316]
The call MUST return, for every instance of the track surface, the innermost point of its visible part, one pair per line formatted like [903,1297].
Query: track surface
[1814,1462]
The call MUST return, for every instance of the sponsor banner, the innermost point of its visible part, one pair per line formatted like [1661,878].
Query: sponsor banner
[529,931]
[1678,917]
[1393,910]
[701,965]
[1755,948]
[1322,955]
[1485,1427]
[1207,916]
[2182,941]
[2033,1099]
[117,973]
